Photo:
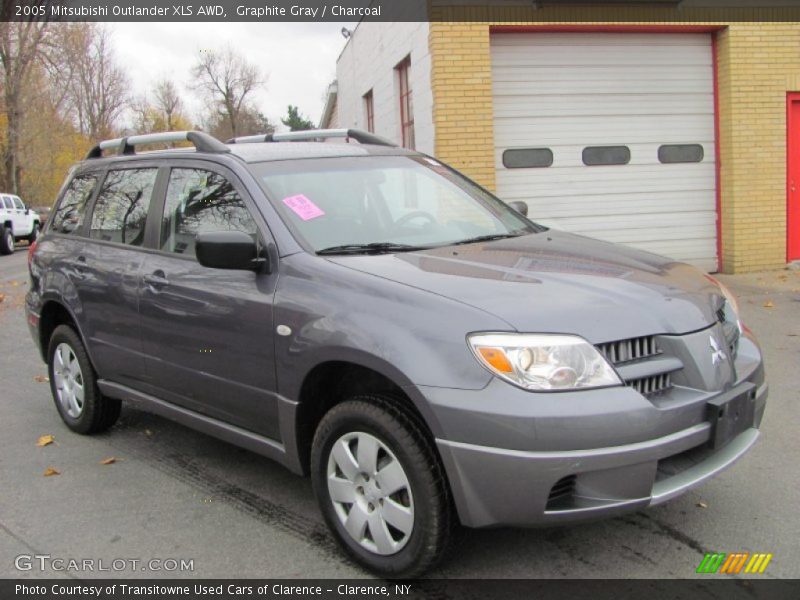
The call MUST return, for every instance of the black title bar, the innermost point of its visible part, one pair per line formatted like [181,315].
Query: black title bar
[402,10]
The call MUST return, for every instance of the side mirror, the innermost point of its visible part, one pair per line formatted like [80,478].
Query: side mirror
[27,211]
[519,206]
[227,250]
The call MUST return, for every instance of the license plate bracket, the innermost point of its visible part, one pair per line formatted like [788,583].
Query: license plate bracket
[731,414]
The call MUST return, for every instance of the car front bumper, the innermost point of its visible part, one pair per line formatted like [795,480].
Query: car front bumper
[521,460]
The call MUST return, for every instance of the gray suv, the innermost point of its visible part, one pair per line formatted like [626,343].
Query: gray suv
[366,315]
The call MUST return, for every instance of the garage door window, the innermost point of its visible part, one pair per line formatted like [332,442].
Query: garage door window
[680,153]
[527,158]
[606,155]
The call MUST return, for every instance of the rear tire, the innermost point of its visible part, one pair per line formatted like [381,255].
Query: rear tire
[73,384]
[6,240]
[34,235]
[390,507]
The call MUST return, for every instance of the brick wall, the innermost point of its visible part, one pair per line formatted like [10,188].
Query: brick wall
[758,62]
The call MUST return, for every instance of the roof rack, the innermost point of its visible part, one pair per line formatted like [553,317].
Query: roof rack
[362,137]
[203,142]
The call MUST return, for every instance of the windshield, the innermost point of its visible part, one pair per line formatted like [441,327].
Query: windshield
[385,203]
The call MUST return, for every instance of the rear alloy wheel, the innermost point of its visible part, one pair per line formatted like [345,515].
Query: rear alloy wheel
[74,386]
[6,240]
[381,486]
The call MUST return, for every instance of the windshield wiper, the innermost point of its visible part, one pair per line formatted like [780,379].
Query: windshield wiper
[373,247]
[487,238]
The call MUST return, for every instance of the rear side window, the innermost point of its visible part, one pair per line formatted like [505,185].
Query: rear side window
[68,217]
[121,208]
[7,202]
[198,201]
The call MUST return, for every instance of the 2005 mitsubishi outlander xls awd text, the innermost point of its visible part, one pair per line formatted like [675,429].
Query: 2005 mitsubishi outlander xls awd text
[366,315]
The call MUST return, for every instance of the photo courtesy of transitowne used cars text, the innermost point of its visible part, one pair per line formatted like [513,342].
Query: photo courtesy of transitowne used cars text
[367,316]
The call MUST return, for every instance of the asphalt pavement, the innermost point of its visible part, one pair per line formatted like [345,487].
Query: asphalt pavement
[172,493]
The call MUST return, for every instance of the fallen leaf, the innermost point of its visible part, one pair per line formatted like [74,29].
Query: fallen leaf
[14,283]
[2,297]
[50,471]
[768,304]
[702,505]
[148,433]
[45,440]
[41,379]
[109,461]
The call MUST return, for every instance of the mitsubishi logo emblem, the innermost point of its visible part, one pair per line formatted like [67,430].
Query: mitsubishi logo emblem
[717,354]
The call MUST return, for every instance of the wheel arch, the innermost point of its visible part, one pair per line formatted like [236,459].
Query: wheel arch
[53,314]
[331,382]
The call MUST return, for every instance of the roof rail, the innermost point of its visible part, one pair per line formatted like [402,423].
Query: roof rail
[203,142]
[362,137]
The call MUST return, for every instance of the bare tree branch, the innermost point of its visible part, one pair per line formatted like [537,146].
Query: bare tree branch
[227,81]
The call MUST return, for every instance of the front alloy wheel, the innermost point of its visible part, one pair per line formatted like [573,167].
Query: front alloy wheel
[370,493]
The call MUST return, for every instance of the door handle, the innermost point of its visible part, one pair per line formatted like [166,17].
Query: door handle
[156,279]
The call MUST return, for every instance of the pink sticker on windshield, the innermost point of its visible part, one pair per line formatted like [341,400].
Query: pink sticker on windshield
[303,207]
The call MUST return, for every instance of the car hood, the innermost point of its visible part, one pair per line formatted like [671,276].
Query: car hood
[556,282]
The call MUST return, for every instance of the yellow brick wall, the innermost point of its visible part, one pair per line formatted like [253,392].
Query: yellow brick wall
[758,63]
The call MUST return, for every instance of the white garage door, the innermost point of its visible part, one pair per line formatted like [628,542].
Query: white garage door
[610,135]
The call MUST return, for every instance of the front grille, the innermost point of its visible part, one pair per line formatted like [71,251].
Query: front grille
[654,384]
[561,492]
[627,350]
[630,357]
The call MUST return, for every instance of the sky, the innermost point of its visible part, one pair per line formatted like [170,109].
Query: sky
[298,60]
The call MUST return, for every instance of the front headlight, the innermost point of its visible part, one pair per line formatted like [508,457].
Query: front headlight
[731,306]
[543,362]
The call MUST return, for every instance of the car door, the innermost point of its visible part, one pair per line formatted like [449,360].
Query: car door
[10,212]
[207,333]
[109,265]
[21,224]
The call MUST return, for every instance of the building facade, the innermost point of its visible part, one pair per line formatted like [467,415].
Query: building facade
[675,136]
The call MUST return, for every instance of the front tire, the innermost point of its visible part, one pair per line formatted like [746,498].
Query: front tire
[381,486]
[6,240]
[74,385]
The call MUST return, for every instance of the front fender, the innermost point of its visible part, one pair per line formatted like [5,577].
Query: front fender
[410,336]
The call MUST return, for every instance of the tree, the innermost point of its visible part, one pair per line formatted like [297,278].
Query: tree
[296,122]
[162,115]
[168,102]
[98,88]
[20,45]
[227,81]
[251,122]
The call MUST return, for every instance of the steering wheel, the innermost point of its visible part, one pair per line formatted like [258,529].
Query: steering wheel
[415,214]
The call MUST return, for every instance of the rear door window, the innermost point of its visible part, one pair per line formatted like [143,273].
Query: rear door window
[68,217]
[120,211]
[8,203]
